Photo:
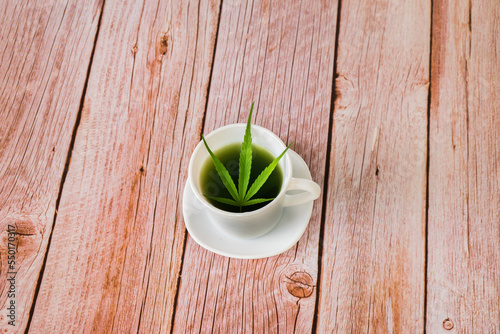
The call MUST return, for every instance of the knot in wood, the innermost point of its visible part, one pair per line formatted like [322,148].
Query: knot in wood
[344,91]
[448,324]
[22,231]
[134,49]
[25,225]
[300,284]
[164,43]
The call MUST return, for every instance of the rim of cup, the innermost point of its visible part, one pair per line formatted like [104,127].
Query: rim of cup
[286,160]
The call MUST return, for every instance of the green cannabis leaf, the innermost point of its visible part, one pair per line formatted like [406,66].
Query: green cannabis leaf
[243,195]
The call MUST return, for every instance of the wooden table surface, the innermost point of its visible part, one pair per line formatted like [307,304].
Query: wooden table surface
[394,105]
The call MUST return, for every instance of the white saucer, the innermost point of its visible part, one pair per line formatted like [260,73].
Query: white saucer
[287,232]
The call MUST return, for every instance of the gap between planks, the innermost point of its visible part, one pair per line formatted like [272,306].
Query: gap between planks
[327,170]
[176,298]
[65,171]
[427,166]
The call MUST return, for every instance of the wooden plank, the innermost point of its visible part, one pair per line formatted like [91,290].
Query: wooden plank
[46,50]
[372,276]
[117,244]
[464,171]
[281,57]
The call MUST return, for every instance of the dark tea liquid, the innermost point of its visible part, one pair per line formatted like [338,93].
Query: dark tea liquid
[211,183]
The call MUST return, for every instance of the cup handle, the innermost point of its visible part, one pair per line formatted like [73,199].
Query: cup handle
[311,191]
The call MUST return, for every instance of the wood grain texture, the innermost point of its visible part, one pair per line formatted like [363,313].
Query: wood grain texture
[45,54]
[464,169]
[372,277]
[117,244]
[281,57]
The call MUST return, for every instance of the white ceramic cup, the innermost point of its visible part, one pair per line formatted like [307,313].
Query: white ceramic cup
[255,223]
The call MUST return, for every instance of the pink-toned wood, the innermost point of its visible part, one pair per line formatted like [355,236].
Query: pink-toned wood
[44,58]
[373,262]
[280,56]
[117,244]
[463,273]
